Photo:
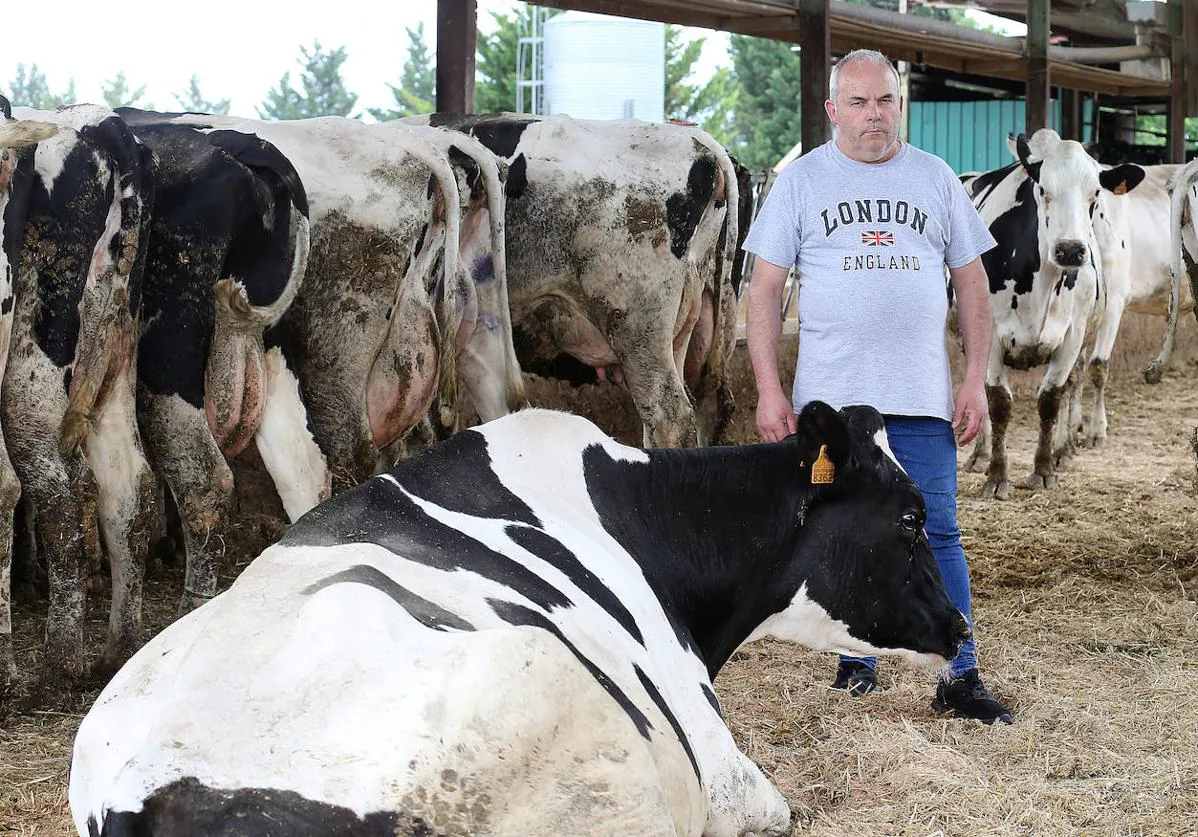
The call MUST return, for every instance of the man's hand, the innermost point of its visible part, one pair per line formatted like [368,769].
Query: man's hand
[969,412]
[775,417]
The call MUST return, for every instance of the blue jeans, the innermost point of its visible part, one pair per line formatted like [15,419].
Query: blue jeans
[926,449]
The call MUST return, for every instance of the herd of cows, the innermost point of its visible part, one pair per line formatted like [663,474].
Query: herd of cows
[182,284]
[177,286]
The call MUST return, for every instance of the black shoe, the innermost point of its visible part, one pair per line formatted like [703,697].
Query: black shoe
[855,678]
[966,697]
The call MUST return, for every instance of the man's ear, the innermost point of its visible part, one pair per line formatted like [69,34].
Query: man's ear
[823,441]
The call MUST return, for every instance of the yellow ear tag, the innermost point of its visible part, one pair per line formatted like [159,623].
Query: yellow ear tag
[822,470]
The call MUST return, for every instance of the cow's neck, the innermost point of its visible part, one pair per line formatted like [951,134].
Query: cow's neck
[707,526]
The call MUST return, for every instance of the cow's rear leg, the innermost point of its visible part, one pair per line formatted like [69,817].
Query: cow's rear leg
[126,508]
[10,492]
[998,484]
[201,482]
[979,457]
[1099,368]
[64,495]
[1065,439]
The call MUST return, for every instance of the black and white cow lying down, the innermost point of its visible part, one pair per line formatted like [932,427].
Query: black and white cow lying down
[516,633]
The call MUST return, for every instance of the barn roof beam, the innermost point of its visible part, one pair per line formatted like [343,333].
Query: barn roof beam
[921,41]
[912,23]
[1071,18]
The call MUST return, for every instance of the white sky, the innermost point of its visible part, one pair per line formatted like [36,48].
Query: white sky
[239,49]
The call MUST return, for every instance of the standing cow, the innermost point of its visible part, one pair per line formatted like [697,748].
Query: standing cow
[17,142]
[74,234]
[1061,231]
[1183,249]
[517,633]
[374,323]
[228,251]
[620,241]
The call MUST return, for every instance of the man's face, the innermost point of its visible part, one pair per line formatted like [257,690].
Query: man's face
[866,112]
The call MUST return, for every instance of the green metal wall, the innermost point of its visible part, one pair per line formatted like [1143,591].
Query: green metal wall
[972,136]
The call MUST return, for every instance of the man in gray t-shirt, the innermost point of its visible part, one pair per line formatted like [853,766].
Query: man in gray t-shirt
[870,223]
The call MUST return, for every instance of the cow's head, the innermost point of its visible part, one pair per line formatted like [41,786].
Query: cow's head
[1069,187]
[860,577]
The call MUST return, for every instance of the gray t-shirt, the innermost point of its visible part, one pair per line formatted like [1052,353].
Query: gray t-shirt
[870,241]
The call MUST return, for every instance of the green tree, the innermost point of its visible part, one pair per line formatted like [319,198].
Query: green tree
[711,104]
[29,89]
[767,117]
[116,93]
[495,59]
[323,89]
[417,89]
[193,100]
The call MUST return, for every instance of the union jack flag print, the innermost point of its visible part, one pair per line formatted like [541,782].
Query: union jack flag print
[877,238]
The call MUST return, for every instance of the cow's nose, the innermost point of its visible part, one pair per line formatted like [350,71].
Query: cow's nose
[1069,253]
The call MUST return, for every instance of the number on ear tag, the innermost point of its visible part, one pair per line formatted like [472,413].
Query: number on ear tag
[822,471]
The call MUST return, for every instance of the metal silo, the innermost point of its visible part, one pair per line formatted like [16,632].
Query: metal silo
[603,67]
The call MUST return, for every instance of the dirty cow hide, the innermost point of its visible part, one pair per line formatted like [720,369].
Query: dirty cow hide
[228,251]
[74,234]
[374,322]
[620,249]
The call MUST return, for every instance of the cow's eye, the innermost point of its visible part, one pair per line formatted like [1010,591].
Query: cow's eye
[910,521]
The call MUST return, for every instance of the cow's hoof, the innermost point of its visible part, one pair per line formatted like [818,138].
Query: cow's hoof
[1096,441]
[976,464]
[996,490]
[1154,372]
[1042,481]
[1063,458]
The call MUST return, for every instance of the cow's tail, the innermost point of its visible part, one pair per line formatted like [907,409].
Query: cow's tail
[1179,190]
[106,347]
[490,165]
[230,294]
[21,132]
[446,205]
[445,301]
[259,155]
[715,371]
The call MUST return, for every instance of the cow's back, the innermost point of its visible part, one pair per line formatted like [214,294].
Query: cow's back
[403,715]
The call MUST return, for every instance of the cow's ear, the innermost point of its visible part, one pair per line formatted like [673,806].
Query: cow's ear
[823,439]
[1121,179]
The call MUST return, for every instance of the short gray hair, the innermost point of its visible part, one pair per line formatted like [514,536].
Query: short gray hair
[859,56]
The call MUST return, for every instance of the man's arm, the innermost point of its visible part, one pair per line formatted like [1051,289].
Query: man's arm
[763,320]
[972,291]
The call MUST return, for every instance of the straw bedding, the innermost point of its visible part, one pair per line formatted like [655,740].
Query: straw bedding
[1085,603]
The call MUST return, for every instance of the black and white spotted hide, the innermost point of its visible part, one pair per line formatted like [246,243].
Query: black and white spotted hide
[516,633]
[74,241]
[228,253]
